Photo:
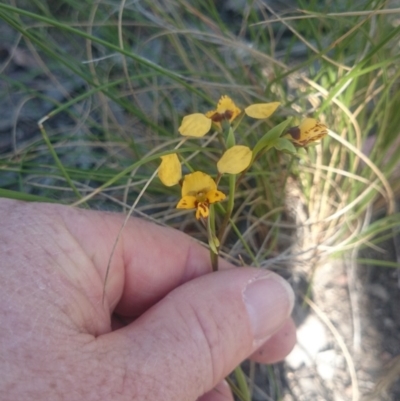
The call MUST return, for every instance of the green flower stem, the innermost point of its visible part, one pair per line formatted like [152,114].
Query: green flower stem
[212,239]
[236,230]
[229,208]
[230,138]
[231,200]
[214,261]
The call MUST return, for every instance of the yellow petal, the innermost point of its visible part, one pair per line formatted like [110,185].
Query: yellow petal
[197,183]
[261,110]
[235,160]
[214,196]
[226,110]
[195,125]
[227,104]
[309,130]
[187,202]
[170,171]
[312,127]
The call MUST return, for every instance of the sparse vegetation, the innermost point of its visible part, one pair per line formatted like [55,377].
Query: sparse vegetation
[93,93]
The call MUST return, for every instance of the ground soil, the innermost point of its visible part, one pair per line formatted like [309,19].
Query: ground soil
[353,324]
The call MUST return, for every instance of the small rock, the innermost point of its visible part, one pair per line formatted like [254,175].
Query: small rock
[311,339]
[327,363]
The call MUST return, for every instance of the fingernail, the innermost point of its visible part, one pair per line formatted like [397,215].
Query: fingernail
[269,300]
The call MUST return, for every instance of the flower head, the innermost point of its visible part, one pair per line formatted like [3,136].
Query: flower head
[170,171]
[199,190]
[226,110]
[309,130]
[198,124]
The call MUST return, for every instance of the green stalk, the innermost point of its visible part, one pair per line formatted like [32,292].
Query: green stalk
[229,208]
[212,239]
[241,239]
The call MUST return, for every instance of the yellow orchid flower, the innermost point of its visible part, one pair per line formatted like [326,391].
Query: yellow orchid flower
[170,171]
[198,124]
[226,110]
[199,190]
[235,160]
[309,130]
[261,110]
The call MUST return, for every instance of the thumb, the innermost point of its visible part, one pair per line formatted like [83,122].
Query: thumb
[194,337]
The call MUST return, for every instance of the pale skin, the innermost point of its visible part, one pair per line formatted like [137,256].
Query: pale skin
[168,329]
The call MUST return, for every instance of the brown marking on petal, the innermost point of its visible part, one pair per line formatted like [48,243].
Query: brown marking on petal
[202,209]
[219,195]
[203,206]
[217,117]
[228,114]
[294,132]
[307,141]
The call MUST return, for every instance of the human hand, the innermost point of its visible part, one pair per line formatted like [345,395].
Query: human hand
[168,330]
